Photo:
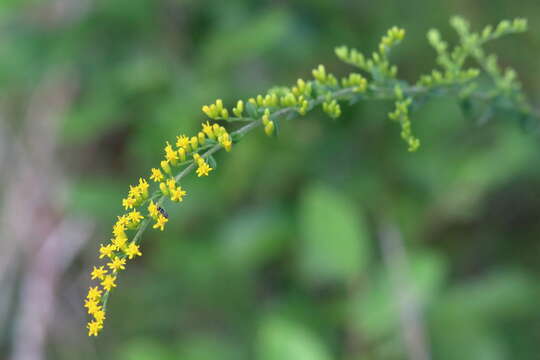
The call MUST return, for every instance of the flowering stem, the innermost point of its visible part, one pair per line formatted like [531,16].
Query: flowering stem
[236,135]
[453,80]
[242,131]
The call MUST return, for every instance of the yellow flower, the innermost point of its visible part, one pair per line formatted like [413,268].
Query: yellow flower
[203,169]
[99,316]
[117,264]
[157,175]
[109,282]
[135,217]
[92,305]
[88,303]
[152,209]
[106,250]
[171,185]
[119,242]
[119,228]
[134,192]
[207,129]
[94,327]
[98,273]
[178,194]
[94,293]
[182,141]
[227,145]
[225,141]
[122,220]
[170,154]
[128,202]
[160,223]
[143,186]
[218,129]
[132,251]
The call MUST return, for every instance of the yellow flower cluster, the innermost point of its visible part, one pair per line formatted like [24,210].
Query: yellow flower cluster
[216,111]
[188,150]
[203,168]
[218,133]
[157,215]
[116,253]
[120,249]
[189,146]
[299,98]
[137,194]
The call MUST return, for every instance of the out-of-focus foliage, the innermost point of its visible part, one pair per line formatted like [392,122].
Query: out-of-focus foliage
[277,255]
[335,244]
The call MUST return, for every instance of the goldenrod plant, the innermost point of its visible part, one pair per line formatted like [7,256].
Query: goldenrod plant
[465,72]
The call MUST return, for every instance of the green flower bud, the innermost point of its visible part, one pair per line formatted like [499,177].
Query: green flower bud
[269,128]
[239,109]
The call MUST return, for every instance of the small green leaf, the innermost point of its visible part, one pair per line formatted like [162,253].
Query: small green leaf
[276,127]
[212,162]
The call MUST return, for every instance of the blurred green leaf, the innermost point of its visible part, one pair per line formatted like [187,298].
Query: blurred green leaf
[142,73]
[373,310]
[334,241]
[428,274]
[144,349]
[234,42]
[94,195]
[495,297]
[252,237]
[205,347]
[97,113]
[280,339]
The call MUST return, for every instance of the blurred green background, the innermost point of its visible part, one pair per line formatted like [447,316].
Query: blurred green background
[329,242]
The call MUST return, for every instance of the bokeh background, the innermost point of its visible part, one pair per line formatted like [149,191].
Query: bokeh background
[329,242]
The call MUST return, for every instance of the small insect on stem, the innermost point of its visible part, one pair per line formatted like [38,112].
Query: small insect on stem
[163,212]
